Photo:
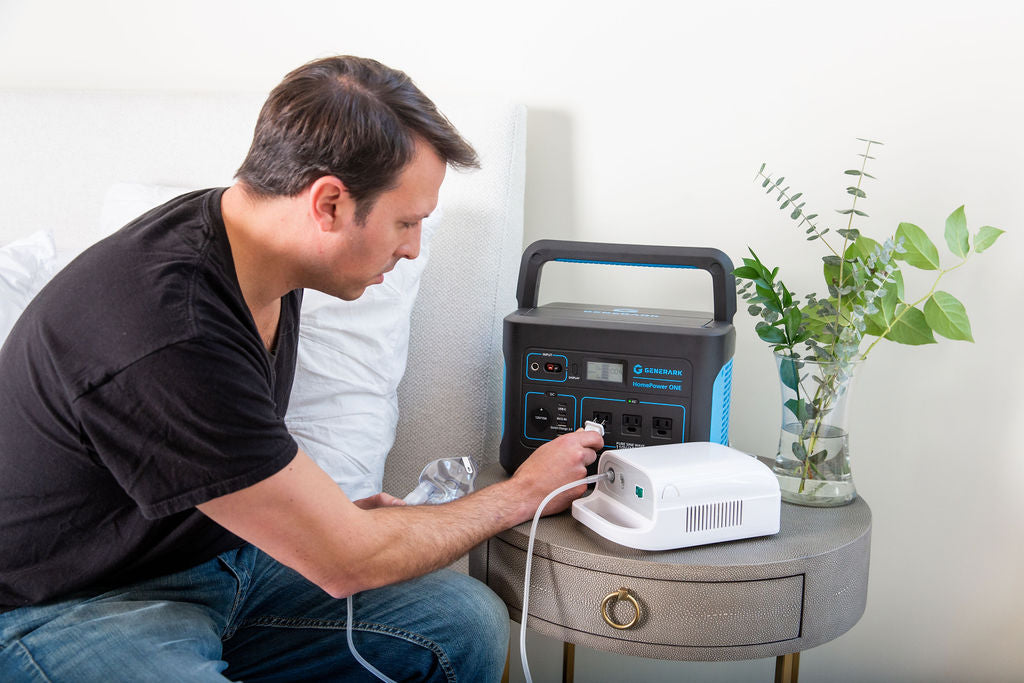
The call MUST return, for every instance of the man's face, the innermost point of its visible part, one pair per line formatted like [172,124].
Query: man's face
[391,231]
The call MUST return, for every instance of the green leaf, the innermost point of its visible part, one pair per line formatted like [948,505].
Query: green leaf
[987,236]
[956,233]
[788,372]
[911,327]
[947,316]
[856,192]
[770,334]
[879,322]
[792,318]
[873,142]
[803,410]
[787,296]
[746,272]
[819,457]
[899,285]
[921,251]
[799,450]
[873,325]
[856,212]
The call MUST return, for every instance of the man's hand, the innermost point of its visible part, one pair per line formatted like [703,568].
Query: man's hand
[555,464]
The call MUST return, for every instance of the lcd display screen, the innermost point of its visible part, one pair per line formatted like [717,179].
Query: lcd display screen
[604,372]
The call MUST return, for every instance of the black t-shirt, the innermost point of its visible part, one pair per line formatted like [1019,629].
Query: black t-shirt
[133,388]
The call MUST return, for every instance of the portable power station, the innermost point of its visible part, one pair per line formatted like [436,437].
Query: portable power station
[650,376]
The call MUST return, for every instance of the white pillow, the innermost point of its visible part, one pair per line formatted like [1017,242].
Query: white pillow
[124,202]
[343,409]
[26,265]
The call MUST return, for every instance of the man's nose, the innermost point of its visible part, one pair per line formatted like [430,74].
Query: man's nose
[410,248]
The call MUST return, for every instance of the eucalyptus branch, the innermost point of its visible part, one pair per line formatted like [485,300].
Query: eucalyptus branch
[857,193]
[798,210]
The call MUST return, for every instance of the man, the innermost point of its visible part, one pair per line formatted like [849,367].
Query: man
[157,522]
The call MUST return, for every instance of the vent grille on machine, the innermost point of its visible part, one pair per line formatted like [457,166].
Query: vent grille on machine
[714,515]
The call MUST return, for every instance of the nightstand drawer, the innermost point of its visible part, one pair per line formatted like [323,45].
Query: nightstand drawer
[674,613]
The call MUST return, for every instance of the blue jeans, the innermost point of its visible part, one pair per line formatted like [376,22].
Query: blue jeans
[244,616]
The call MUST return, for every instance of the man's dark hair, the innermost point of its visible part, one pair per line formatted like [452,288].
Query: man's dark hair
[349,117]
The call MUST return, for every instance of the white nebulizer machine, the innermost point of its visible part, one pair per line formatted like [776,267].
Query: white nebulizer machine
[680,495]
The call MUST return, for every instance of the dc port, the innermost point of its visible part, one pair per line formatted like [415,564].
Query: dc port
[534,366]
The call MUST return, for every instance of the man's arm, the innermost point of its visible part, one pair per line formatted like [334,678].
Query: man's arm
[300,517]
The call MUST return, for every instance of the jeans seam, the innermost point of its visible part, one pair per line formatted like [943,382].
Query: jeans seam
[236,605]
[32,660]
[415,638]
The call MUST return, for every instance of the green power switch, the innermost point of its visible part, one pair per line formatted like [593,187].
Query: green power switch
[639,491]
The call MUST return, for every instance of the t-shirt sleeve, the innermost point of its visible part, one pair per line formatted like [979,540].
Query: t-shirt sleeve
[186,424]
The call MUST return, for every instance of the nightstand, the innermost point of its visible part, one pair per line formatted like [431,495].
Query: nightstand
[773,596]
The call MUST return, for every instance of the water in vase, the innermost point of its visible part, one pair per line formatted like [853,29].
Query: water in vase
[813,468]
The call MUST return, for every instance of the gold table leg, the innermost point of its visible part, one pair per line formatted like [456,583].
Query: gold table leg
[787,668]
[568,662]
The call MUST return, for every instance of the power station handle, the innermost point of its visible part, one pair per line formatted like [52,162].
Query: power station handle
[716,262]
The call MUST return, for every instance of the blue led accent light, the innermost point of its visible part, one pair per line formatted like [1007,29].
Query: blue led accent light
[619,263]
[721,396]
[504,393]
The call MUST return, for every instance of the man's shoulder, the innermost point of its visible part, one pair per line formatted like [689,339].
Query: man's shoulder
[158,281]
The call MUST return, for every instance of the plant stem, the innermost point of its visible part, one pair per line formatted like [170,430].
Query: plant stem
[820,412]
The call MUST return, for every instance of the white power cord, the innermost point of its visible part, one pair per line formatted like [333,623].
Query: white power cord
[355,653]
[590,427]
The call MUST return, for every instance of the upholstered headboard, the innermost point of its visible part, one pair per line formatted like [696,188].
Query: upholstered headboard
[60,152]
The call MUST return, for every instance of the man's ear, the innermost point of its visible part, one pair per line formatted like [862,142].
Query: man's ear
[330,204]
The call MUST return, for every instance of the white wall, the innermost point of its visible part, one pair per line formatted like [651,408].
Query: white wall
[647,123]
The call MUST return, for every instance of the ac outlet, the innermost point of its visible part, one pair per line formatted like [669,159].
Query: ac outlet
[631,424]
[661,428]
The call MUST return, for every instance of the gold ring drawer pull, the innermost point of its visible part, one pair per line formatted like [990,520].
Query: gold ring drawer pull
[621,594]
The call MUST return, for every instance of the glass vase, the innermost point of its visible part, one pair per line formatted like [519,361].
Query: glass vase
[813,460]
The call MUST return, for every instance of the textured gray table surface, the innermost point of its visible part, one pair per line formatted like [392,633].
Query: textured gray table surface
[743,599]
